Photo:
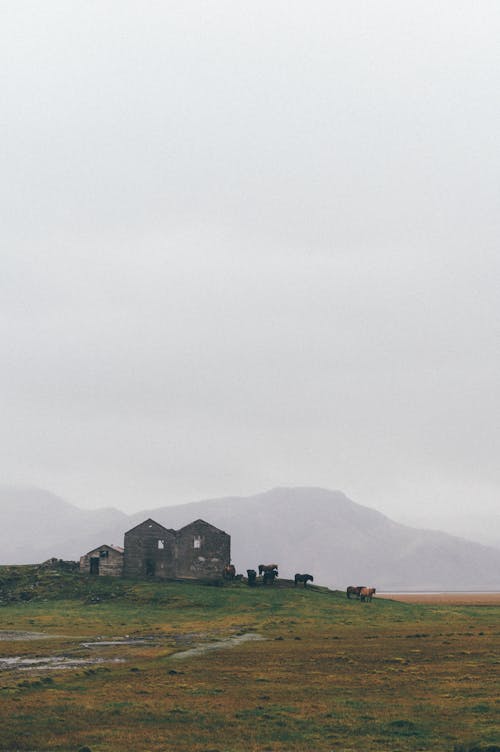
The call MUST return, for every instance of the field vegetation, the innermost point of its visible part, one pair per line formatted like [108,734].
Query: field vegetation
[328,673]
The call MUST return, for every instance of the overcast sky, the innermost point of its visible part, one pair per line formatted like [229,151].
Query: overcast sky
[251,244]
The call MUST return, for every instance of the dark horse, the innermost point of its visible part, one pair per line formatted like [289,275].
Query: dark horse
[269,576]
[303,578]
[252,576]
[354,590]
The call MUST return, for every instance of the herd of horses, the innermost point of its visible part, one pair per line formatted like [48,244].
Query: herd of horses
[361,592]
[267,572]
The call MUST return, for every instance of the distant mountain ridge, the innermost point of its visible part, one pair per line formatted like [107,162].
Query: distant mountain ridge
[303,529]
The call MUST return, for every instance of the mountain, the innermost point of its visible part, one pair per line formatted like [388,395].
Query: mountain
[340,542]
[302,529]
[36,525]
[482,528]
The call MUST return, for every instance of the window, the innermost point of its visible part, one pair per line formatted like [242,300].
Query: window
[104,554]
[161,544]
[197,541]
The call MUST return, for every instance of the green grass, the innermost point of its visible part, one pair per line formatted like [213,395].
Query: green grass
[332,674]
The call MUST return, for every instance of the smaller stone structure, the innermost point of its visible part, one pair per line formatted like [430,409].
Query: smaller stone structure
[105,560]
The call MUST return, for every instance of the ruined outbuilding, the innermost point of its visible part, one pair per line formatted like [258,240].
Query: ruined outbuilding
[198,551]
[105,560]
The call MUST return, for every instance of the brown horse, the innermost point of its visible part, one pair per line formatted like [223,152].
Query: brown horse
[267,568]
[229,571]
[367,593]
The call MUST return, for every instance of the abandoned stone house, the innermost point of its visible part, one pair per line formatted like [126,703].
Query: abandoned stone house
[105,560]
[197,551]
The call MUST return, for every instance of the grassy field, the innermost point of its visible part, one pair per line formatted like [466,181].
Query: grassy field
[330,674]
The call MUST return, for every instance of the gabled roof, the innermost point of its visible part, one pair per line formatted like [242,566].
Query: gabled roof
[149,523]
[200,523]
[118,549]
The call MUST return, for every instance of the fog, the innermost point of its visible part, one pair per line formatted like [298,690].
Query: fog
[251,245]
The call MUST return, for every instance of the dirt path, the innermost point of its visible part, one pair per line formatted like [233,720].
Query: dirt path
[228,642]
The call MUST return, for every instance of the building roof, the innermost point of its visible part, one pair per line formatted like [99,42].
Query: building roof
[151,523]
[118,549]
[200,523]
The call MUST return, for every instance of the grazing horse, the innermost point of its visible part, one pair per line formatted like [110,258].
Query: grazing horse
[303,578]
[354,590]
[229,572]
[367,593]
[267,568]
[252,576]
[269,576]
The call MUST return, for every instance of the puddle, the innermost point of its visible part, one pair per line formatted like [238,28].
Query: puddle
[133,641]
[229,642]
[52,662]
[57,662]
[11,635]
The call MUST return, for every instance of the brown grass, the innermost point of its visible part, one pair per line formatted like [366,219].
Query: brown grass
[332,674]
[457,599]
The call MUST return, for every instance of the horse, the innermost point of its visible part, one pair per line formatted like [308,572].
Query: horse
[354,590]
[251,575]
[269,576]
[303,578]
[267,568]
[229,572]
[367,593]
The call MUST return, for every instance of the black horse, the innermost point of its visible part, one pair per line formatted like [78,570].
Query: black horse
[252,576]
[269,576]
[303,578]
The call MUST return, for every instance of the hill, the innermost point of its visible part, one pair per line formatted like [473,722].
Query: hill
[303,529]
[111,664]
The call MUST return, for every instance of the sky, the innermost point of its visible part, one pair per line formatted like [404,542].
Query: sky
[247,245]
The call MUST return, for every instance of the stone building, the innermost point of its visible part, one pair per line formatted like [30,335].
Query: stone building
[105,560]
[149,551]
[202,551]
[197,551]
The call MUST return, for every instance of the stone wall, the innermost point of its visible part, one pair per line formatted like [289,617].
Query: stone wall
[149,551]
[202,551]
[105,561]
